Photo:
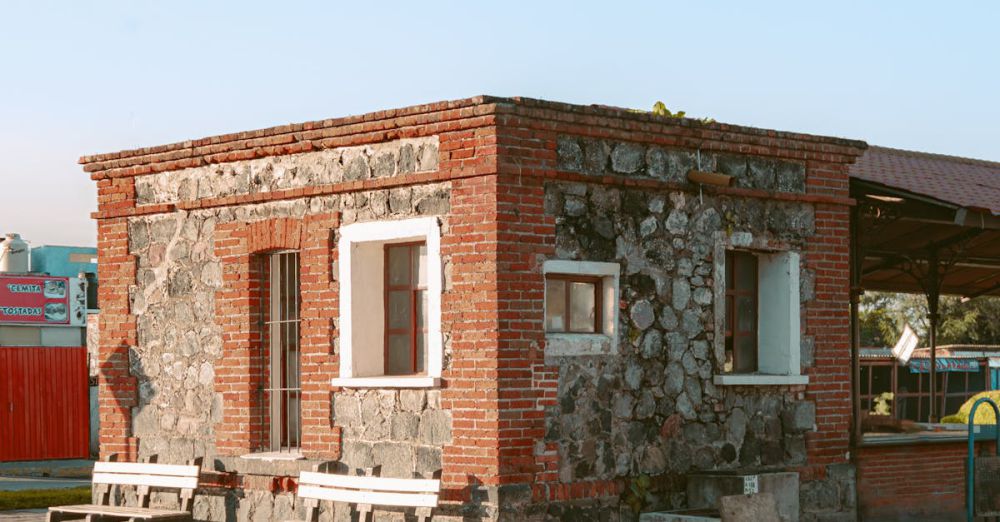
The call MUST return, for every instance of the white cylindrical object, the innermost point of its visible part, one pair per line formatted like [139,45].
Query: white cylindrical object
[14,255]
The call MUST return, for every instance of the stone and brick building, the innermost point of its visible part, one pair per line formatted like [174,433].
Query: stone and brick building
[530,298]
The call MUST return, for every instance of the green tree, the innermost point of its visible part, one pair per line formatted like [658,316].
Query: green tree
[882,316]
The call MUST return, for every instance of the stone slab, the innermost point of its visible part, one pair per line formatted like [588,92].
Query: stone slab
[760,507]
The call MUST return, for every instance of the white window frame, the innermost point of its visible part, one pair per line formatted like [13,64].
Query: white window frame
[352,237]
[604,343]
[779,311]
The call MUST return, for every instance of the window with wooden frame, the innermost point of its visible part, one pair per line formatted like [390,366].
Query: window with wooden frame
[405,304]
[741,312]
[390,281]
[573,303]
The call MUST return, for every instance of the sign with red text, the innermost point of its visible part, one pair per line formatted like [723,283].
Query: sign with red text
[34,299]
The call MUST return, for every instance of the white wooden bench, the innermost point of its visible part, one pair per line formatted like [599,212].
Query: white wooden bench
[145,476]
[367,491]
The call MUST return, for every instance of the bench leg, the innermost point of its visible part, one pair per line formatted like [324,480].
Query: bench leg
[53,517]
[365,512]
[423,514]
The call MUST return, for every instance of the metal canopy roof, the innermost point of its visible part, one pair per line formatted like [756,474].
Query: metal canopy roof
[918,210]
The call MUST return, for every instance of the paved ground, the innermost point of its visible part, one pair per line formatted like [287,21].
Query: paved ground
[22,483]
[28,515]
[65,468]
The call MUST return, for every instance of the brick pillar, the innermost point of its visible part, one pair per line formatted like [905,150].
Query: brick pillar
[469,313]
[117,387]
[320,305]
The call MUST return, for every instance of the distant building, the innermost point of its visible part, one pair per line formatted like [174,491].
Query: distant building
[44,312]
[68,261]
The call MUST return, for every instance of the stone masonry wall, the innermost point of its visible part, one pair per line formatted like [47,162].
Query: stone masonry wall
[652,410]
[179,340]
[380,160]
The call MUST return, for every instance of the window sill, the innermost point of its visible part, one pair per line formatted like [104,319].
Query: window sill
[759,379]
[571,344]
[274,456]
[387,381]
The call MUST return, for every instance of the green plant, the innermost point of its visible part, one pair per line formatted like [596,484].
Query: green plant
[635,494]
[984,414]
[660,109]
[882,404]
[43,498]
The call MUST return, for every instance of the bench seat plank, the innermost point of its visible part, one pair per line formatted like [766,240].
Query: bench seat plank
[311,478]
[142,468]
[161,481]
[368,497]
[122,511]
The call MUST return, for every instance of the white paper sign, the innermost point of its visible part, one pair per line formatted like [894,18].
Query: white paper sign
[905,345]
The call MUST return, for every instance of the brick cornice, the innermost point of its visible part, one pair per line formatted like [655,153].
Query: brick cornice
[446,116]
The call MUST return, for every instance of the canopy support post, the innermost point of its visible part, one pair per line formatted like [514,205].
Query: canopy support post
[933,300]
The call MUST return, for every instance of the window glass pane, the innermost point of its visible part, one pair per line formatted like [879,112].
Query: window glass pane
[952,404]
[400,362]
[956,382]
[864,379]
[746,354]
[399,309]
[907,381]
[421,301]
[881,379]
[399,265]
[421,352]
[746,314]
[746,271]
[555,305]
[728,366]
[977,381]
[420,266]
[581,307]
[730,280]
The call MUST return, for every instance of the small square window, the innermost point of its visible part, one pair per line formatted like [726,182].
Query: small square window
[573,304]
[581,308]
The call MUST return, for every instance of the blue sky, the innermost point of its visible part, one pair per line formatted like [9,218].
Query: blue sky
[84,77]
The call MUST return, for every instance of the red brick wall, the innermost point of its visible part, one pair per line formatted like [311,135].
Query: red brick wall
[914,481]
[237,374]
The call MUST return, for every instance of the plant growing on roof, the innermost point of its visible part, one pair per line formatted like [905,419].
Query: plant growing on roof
[660,109]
